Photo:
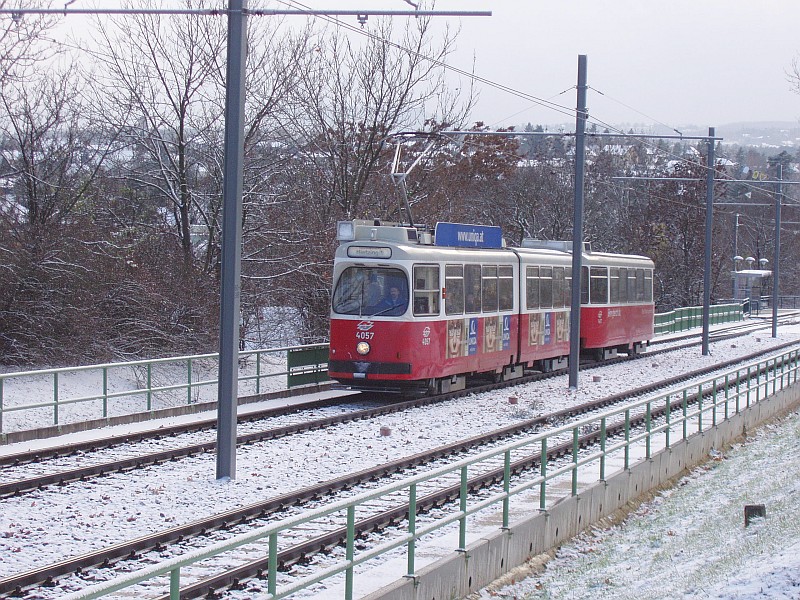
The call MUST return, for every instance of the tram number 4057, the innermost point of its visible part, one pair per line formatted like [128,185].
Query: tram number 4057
[364,335]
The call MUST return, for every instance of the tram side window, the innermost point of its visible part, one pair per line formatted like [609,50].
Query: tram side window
[426,290]
[631,285]
[623,285]
[613,285]
[558,287]
[546,287]
[506,288]
[489,284]
[648,285]
[532,288]
[472,288]
[584,285]
[454,289]
[598,285]
[568,286]
[640,285]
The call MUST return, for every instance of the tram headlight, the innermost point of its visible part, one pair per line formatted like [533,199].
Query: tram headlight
[362,348]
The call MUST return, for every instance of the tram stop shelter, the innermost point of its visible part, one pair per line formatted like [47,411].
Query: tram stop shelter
[751,284]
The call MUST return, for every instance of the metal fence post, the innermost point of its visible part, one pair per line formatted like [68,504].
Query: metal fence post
[738,383]
[105,392]
[189,381]
[727,394]
[412,526]
[700,408]
[543,471]
[55,398]
[758,381]
[506,486]
[258,372]
[627,437]
[575,461]
[685,413]
[272,564]
[149,386]
[462,504]
[714,402]
[667,409]
[774,376]
[603,449]
[175,584]
[350,552]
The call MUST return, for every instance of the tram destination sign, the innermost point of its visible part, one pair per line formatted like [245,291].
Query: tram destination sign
[462,235]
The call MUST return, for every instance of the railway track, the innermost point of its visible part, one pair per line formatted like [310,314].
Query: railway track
[303,421]
[278,505]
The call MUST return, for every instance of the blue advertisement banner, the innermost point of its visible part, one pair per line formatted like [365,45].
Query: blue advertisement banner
[548,327]
[472,337]
[461,235]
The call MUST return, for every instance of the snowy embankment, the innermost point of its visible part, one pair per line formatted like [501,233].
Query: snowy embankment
[690,541]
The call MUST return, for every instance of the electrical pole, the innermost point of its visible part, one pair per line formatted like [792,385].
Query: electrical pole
[577,226]
[228,385]
[777,256]
[710,169]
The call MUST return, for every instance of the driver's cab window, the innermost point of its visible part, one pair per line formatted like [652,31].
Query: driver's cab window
[371,291]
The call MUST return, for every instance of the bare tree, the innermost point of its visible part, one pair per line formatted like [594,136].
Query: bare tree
[20,39]
[51,158]
[793,75]
[157,72]
[50,149]
[360,91]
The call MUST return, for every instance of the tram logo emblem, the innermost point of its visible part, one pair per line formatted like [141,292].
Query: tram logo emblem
[365,325]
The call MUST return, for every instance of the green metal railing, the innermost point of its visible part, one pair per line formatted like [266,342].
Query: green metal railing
[301,365]
[681,319]
[641,428]
[305,364]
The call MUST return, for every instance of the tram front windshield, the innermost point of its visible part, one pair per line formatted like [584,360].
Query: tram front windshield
[371,291]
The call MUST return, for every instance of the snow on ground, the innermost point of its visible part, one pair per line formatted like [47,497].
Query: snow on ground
[45,526]
[690,541]
[128,382]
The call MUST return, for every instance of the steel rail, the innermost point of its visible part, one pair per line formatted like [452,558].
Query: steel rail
[61,478]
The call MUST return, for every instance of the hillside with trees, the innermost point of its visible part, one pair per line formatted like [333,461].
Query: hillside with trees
[111,173]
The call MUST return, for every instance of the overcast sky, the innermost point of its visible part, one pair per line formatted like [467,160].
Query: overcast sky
[679,62]
[701,62]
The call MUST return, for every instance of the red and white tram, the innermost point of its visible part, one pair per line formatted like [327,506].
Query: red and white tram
[413,308]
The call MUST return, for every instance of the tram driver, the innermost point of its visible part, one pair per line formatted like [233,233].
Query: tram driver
[394,303]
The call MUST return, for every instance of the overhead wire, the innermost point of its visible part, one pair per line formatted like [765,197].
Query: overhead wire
[546,103]
[477,78]
[501,87]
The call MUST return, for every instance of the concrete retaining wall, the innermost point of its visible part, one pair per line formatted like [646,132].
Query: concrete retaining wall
[485,560]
